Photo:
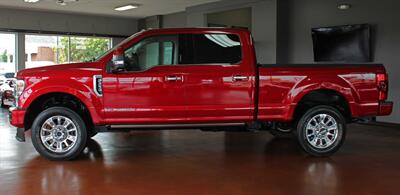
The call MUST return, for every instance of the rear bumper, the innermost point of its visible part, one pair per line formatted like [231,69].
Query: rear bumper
[17,117]
[385,108]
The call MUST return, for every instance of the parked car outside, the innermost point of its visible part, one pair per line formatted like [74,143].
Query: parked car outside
[7,97]
[6,77]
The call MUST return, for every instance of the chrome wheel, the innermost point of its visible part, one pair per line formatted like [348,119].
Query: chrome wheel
[59,134]
[322,131]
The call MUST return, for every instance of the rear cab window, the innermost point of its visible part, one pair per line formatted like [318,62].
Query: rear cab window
[211,49]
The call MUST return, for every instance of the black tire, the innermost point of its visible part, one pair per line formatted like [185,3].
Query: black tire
[302,131]
[81,134]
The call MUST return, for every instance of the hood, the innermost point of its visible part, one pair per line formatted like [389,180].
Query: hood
[65,69]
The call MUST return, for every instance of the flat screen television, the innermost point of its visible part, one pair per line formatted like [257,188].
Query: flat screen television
[348,43]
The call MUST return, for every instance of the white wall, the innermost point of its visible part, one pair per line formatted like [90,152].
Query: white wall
[175,20]
[238,18]
[302,15]
[153,22]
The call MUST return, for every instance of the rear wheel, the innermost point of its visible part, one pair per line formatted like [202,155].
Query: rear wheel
[59,133]
[321,131]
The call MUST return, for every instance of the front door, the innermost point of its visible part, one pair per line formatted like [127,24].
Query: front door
[150,91]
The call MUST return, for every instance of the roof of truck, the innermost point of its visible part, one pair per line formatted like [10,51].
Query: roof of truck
[201,29]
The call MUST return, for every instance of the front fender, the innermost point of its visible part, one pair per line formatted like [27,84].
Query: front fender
[81,90]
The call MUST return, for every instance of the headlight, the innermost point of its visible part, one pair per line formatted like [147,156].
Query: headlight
[19,87]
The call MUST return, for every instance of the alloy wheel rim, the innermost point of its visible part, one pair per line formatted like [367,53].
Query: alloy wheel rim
[322,131]
[59,134]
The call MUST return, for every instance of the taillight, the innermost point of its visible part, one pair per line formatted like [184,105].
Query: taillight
[383,85]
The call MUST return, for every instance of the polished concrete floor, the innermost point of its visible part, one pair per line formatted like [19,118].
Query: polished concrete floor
[195,162]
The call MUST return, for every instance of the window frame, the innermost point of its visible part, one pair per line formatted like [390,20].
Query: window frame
[173,38]
[191,39]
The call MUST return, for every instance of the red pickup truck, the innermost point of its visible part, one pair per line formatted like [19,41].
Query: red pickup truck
[206,78]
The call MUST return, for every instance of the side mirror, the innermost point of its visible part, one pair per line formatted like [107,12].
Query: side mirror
[12,84]
[118,62]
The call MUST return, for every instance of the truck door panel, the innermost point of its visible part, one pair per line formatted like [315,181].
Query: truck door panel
[151,89]
[218,84]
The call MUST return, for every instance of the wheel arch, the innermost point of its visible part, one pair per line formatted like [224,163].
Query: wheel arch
[58,98]
[323,96]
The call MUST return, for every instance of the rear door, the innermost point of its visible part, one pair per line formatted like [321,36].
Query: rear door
[219,82]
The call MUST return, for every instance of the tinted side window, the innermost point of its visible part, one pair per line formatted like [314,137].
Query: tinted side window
[151,52]
[216,48]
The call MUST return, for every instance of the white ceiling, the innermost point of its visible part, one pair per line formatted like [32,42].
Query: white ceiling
[106,7]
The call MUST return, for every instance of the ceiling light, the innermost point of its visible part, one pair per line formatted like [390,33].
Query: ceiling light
[31,1]
[344,6]
[65,2]
[126,7]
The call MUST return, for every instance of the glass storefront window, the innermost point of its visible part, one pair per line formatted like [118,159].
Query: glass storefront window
[44,50]
[85,49]
[7,53]
[40,50]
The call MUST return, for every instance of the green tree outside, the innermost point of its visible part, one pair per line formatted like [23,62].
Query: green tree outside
[4,56]
[82,49]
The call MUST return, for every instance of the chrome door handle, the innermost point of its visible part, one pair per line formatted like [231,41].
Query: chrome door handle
[174,78]
[240,78]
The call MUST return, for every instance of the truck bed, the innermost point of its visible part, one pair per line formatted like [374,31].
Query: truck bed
[282,87]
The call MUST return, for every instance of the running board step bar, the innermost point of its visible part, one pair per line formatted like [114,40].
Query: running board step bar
[117,128]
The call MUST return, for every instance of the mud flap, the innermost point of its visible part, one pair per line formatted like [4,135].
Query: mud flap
[20,135]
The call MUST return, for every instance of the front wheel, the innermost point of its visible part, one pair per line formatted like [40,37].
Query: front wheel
[321,131]
[59,133]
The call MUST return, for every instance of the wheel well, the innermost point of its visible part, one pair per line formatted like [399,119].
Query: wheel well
[57,99]
[323,97]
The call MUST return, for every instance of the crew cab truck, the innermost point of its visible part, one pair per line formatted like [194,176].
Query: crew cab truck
[205,78]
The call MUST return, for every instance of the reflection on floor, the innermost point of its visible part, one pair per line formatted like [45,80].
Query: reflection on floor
[195,162]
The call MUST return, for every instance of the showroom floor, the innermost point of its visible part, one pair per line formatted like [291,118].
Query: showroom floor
[195,162]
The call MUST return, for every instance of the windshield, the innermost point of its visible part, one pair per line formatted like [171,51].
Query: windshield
[119,45]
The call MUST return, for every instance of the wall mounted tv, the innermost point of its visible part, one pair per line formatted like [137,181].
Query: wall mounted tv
[348,43]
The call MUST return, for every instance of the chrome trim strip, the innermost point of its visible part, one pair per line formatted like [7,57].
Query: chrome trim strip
[175,125]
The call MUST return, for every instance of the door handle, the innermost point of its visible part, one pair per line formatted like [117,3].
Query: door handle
[174,78]
[240,78]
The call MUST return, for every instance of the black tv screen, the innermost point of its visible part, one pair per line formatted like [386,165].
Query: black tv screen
[349,43]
